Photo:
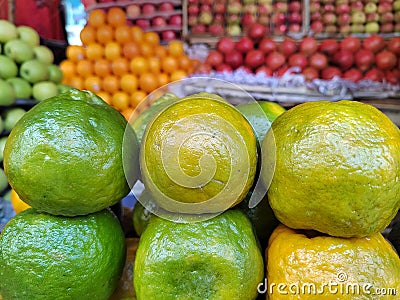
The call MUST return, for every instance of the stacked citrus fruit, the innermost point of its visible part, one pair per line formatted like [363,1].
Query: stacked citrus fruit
[333,171]
[65,158]
[121,63]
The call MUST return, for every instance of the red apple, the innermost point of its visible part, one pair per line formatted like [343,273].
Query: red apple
[267,45]
[244,45]
[344,59]
[353,74]
[168,35]
[133,11]
[295,6]
[374,42]
[308,45]
[166,6]
[148,9]
[203,69]
[224,68]
[256,32]
[175,20]
[342,8]
[386,28]
[216,29]
[317,26]
[364,59]
[393,76]
[254,59]
[199,29]
[393,45]
[310,73]
[275,60]
[298,60]
[318,61]
[158,22]
[295,17]
[225,45]
[143,23]
[248,19]
[288,46]
[385,60]
[214,58]
[350,43]
[193,9]
[234,59]
[329,46]
[330,72]
[219,8]
[374,74]
[264,69]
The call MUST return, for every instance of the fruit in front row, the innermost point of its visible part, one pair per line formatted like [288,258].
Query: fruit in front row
[309,265]
[43,256]
[65,155]
[214,259]
[334,168]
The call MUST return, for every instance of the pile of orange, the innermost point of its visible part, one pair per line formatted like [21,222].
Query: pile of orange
[121,63]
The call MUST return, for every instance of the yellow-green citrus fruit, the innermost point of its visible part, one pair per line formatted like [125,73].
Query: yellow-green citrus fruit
[337,168]
[198,155]
[213,259]
[307,265]
[139,124]
[44,256]
[71,155]
[261,114]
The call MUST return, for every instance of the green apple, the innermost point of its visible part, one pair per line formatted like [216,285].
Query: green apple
[12,116]
[43,54]
[3,141]
[22,88]
[28,35]
[34,71]
[44,89]
[8,31]
[8,67]
[7,94]
[3,181]
[55,73]
[18,50]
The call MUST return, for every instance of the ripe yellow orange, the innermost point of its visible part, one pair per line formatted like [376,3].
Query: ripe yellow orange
[110,84]
[116,16]
[123,34]
[148,82]
[129,83]
[163,79]
[94,51]
[96,18]
[160,51]
[105,96]
[147,49]
[169,64]
[175,49]
[131,49]
[112,50]
[102,67]
[120,100]
[120,66]
[93,83]
[185,63]
[178,75]
[84,68]
[88,35]
[75,52]
[68,68]
[152,38]
[137,34]
[137,97]
[105,34]
[154,64]
[77,82]
[139,65]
